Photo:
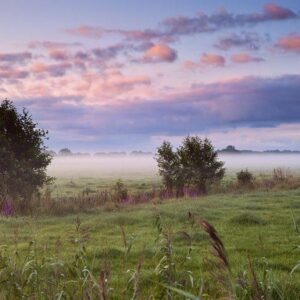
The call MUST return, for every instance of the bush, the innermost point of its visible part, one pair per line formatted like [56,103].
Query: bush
[120,192]
[280,175]
[244,177]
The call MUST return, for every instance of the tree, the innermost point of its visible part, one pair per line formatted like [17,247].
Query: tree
[23,155]
[230,149]
[65,152]
[195,163]
[200,163]
[169,168]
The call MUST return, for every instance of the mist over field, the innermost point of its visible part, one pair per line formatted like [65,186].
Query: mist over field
[141,167]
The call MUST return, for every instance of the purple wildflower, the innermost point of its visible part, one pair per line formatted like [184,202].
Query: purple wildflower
[7,209]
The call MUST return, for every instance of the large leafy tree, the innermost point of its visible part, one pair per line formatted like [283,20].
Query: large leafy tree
[195,164]
[200,163]
[23,155]
[170,168]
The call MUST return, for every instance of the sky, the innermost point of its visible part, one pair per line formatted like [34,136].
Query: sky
[126,75]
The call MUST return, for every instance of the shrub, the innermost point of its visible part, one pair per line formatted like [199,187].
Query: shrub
[280,174]
[120,192]
[244,177]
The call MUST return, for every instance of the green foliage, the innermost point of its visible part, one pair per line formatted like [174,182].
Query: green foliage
[195,163]
[104,255]
[244,177]
[200,163]
[23,156]
[65,152]
[120,192]
[170,168]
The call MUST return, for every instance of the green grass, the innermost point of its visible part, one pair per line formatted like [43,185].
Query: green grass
[257,225]
[63,187]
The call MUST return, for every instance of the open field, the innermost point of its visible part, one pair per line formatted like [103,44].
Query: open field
[258,226]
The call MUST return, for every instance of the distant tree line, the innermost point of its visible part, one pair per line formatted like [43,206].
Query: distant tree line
[68,152]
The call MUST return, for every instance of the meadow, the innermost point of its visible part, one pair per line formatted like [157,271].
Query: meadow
[75,174]
[162,249]
[255,227]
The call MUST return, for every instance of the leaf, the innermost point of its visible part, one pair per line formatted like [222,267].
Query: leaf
[182,293]
[295,268]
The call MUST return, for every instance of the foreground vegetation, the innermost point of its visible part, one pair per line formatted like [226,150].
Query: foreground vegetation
[130,240]
[158,250]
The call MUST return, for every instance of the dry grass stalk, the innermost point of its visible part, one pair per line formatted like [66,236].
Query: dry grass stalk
[219,267]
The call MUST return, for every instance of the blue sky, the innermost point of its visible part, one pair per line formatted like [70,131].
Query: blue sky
[124,75]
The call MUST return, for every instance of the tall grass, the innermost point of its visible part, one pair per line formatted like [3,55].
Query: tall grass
[119,195]
[38,273]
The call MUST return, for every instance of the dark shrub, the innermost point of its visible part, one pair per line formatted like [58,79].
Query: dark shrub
[244,177]
[120,192]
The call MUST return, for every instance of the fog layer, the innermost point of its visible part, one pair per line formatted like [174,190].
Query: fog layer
[141,167]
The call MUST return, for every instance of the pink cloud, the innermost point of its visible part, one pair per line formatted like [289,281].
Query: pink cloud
[289,43]
[118,85]
[213,59]
[274,11]
[58,54]
[12,74]
[87,31]
[54,70]
[160,53]
[49,45]
[242,58]
[190,65]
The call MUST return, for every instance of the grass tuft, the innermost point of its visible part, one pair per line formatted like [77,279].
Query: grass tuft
[247,219]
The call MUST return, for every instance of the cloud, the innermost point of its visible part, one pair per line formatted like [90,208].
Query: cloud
[137,35]
[160,53]
[172,28]
[190,65]
[58,54]
[253,102]
[55,70]
[242,58]
[223,19]
[114,88]
[52,44]
[216,60]
[86,31]
[289,43]
[212,59]
[19,57]
[246,40]
[12,73]
[110,52]
[273,11]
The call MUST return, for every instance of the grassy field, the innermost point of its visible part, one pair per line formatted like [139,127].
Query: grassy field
[75,175]
[259,227]
[63,187]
